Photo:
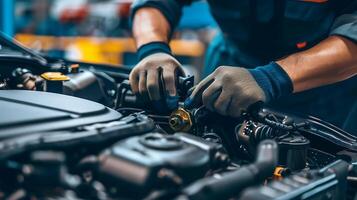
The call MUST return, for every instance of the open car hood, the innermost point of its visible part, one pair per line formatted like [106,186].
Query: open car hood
[10,48]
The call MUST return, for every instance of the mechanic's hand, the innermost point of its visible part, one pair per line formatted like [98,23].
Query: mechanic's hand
[228,91]
[154,78]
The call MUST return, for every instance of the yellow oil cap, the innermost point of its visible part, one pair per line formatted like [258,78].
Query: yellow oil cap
[54,76]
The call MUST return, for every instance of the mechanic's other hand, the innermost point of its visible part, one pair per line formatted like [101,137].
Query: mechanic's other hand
[228,91]
[154,77]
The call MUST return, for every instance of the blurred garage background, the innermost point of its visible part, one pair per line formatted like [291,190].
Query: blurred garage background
[99,31]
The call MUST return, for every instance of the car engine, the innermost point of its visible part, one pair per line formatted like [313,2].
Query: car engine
[71,130]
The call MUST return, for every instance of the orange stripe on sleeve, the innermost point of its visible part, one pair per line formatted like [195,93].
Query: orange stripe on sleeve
[301,45]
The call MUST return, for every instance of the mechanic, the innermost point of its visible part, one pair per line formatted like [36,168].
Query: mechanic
[268,50]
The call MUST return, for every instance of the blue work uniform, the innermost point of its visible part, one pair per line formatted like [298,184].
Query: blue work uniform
[256,32]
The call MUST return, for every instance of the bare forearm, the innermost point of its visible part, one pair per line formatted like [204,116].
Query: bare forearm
[332,60]
[154,77]
[150,25]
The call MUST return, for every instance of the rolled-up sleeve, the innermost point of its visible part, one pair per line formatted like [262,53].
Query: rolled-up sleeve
[171,9]
[346,26]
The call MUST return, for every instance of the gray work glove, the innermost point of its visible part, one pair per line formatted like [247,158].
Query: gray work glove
[154,77]
[228,91]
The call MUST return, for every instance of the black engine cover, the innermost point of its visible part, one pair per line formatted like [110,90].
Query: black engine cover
[155,161]
[25,112]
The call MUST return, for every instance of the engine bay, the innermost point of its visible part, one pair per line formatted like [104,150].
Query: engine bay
[72,130]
